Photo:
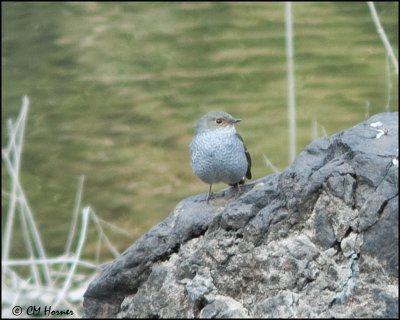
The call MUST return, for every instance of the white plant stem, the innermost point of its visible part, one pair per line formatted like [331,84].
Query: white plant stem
[55,280]
[75,215]
[13,194]
[268,163]
[49,261]
[102,235]
[28,244]
[382,34]
[290,84]
[82,237]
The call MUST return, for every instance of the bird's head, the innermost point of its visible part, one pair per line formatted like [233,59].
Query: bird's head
[216,120]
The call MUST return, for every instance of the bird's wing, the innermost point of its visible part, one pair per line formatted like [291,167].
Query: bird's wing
[248,172]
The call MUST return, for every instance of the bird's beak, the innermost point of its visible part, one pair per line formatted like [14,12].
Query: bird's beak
[236,120]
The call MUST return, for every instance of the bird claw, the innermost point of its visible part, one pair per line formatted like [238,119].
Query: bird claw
[210,196]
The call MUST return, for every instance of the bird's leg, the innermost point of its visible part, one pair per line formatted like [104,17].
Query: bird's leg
[209,194]
[236,188]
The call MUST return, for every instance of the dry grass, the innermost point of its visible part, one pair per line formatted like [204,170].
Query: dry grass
[39,279]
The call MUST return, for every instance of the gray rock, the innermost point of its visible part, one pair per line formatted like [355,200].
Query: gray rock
[223,307]
[317,240]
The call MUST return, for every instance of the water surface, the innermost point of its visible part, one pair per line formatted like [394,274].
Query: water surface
[115,89]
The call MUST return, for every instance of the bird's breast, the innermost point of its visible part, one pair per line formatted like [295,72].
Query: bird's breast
[218,157]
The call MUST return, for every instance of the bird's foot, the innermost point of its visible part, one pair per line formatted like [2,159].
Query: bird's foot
[210,196]
[236,190]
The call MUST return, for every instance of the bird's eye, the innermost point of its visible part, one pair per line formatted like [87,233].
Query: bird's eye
[218,121]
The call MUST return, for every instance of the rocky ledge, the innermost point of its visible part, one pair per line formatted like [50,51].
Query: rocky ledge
[317,240]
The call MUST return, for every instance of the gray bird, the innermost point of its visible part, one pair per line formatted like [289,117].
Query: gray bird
[218,152]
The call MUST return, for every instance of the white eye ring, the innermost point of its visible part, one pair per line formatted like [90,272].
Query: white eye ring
[218,121]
